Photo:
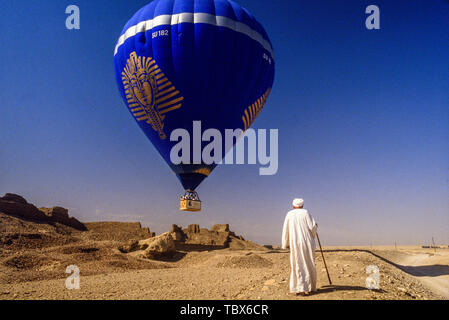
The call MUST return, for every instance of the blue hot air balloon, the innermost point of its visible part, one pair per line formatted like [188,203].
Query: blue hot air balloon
[179,61]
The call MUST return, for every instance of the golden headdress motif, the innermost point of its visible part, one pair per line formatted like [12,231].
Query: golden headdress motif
[148,92]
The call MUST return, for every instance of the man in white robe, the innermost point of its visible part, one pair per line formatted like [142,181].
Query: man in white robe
[299,234]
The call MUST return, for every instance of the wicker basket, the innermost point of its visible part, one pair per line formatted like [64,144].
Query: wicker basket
[189,205]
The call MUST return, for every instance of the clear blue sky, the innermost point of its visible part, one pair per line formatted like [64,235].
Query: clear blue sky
[363,119]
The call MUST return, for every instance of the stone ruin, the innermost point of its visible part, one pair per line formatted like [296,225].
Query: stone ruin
[191,238]
[218,236]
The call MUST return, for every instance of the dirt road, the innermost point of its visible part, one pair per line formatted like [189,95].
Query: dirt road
[429,266]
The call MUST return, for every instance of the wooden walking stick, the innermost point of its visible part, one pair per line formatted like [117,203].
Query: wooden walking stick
[321,249]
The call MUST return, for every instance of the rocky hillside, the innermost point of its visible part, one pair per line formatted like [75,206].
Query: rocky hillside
[17,206]
[39,243]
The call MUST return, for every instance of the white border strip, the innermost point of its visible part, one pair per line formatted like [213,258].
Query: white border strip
[207,18]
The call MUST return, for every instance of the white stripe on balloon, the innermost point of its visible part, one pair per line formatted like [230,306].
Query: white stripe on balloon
[187,17]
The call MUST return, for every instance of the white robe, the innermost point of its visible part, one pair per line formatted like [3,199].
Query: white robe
[299,233]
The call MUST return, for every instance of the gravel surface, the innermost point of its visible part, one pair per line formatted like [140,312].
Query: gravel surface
[224,274]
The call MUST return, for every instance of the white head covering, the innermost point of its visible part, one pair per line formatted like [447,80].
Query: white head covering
[297,203]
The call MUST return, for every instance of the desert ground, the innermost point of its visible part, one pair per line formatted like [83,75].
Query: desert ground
[114,263]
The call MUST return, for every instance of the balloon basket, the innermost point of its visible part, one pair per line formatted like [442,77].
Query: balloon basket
[190,202]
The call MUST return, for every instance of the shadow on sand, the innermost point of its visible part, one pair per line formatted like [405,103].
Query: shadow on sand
[434,270]
[332,288]
[417,271]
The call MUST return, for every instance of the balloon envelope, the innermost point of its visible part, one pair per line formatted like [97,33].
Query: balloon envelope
[179,61]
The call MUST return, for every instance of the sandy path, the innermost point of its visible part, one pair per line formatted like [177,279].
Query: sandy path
[431,269]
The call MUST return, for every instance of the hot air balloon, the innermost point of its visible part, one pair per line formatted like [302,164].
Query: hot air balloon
[179,61]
